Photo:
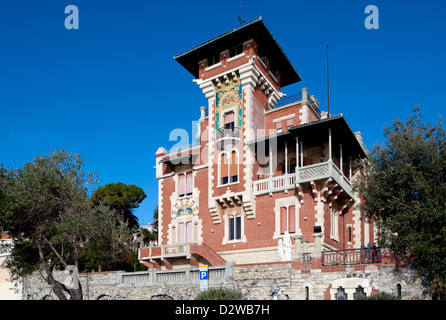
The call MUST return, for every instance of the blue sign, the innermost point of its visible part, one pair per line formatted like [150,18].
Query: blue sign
[204,275]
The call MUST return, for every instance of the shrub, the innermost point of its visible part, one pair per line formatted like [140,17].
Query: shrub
[381,296]
[220,294]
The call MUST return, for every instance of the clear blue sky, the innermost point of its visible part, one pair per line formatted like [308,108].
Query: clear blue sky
[112,92]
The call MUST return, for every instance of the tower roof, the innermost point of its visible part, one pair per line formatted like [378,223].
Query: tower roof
[255,30]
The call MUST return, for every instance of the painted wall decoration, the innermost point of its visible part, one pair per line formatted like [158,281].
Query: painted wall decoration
[185,207]
[229,96]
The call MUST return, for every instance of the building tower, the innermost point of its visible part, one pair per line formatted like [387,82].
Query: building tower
[266,165]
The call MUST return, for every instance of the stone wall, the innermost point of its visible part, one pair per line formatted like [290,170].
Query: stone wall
[254,280]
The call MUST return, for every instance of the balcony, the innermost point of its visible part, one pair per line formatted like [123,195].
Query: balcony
[227,137]
[351,256]
[323,170]
[167,251]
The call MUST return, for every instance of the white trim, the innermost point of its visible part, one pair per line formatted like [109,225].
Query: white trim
[290,116]
[236,57]
[334,222]
[203,166]
[215,65]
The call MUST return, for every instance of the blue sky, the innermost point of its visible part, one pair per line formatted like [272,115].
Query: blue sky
[112,92]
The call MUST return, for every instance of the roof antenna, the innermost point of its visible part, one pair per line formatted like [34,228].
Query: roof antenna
[241,15]
[328,89]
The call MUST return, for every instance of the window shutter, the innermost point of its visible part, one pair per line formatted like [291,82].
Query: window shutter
[290,122]
[182,185]
[291,219]
[189,231]
[283,219]
[181,234]
[229,117]
[234,164]
[279,125]
[224,165]
[189,183]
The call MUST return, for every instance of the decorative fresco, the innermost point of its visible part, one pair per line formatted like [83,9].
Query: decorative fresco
[185,207]
[229,96]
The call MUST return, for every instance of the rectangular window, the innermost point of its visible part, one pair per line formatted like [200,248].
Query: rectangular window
[189,231]
[235,227]
[229,120]
[291,219]
[283,220]
[290,122]
[181,233]
[236,50]
[214,59]
[182,185]
[234,167]
[238,227]
[224,170]
[185,184]
[288,219]
[189,184]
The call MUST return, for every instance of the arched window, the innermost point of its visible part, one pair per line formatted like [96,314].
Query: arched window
[398,290]
[307,293]
[224,169]
[341,295]
[234,167]
[228,167]
[359,293]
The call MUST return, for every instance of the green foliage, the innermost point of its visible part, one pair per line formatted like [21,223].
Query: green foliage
[46,209]
[404,188]
[380,296]
[121,199]
[23,251]
[220,294]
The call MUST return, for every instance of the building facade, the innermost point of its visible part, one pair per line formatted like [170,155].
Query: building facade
[268,171]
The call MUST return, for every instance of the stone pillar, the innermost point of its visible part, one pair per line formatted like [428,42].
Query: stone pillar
[297,243]
[305,245]
[317,245]
[203,114]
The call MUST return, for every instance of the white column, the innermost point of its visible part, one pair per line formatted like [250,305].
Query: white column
[286,158]
[270,162]
[329,143]
[340,158]
[301,153]
[297,153]
[350,169]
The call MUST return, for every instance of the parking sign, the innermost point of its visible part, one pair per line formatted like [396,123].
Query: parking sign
[204,277]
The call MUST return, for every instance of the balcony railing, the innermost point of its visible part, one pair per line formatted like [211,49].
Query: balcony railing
[351,256]
[304,174]
[168,251]
[227,137]
[225,132]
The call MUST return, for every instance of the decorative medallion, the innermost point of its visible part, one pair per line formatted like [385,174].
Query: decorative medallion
[185,207]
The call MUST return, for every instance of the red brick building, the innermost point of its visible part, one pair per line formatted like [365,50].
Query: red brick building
[265,164]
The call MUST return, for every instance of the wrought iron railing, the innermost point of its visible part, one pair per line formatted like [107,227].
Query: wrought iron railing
[228,132]
[303,174]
